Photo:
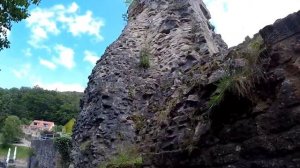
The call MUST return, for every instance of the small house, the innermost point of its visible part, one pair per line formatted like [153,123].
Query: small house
[42,125]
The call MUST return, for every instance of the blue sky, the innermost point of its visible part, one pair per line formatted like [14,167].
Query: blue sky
[57,47]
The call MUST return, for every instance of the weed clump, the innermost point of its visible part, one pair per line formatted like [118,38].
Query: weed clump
[145,59]
[85,145]
[126,157]
[242,80]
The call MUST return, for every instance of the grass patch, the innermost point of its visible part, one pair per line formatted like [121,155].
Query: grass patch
[241,81]
[139,121]
[144,58]
[126,157]
[85,145]
[22,152]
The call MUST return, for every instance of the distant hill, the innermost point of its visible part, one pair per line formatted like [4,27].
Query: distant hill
[37,103]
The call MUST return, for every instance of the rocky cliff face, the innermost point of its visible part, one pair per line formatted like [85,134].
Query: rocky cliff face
[169,87]
[175,35]
[255,124]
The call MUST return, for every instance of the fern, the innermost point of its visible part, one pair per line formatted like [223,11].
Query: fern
[241,81]
[223,86]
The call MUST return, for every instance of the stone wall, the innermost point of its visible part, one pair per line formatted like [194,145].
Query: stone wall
[164,110]
[44,154]
[176,35]
[258,131]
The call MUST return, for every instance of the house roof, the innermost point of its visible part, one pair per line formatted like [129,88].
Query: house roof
[41,124]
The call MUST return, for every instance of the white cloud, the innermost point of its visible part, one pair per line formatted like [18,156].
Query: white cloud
[41,22]
[235,19]
[84,24]
[22,72]
[27,52]
[60,86]
[65,56]
[73,8]
[47,64]
[51,21]
[90,57]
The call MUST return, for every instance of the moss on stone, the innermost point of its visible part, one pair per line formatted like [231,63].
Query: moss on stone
[85,145]
[126,157]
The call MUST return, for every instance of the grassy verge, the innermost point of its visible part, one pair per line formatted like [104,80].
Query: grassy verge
[22,152]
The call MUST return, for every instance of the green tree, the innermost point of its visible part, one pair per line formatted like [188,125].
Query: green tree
[57,128]
[68,128]
[11,130]
[64,146]
[12,11]
[39,104]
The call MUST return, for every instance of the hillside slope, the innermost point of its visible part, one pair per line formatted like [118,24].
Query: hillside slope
[37,103]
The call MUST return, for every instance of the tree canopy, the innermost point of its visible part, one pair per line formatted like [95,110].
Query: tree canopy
[68,127]
[64,146]
[12,129]
[12,11]
[37,103]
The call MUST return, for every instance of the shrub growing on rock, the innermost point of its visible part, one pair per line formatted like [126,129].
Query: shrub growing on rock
[240,80]
[64,146]
[144,58]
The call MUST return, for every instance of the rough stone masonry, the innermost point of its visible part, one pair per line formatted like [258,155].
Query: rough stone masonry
[163,110]
[177,34]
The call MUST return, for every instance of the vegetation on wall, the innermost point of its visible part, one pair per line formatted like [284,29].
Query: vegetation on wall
[128,2]
[126,157]
[240,80]
[125,15]
[224,85]
[64,146]
[84,146]
[144,58]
